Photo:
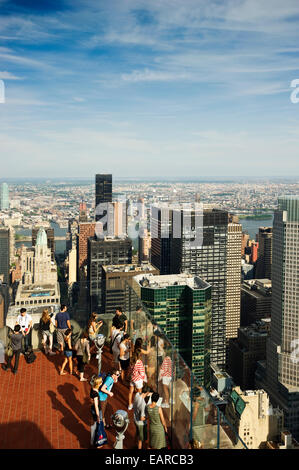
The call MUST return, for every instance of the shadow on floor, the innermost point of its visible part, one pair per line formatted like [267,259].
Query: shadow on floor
[70,421]
[22,435]
[82,410]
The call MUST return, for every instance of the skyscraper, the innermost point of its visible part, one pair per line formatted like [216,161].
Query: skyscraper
[184,250]
[50,239]
[4,196]
[233,279]
[82,212]
[264,260]
[39,286]
[86,230]
[4,254]
[280,377]
[102,252]
[161,228]
[103,188]
[181,306]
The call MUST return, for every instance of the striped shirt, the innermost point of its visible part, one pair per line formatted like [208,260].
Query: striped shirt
[166,367]
[138,372]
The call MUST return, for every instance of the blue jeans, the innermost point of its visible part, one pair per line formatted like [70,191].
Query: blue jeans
[27,341]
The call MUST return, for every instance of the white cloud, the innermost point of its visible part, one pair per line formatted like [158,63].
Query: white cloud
[8,76]
[147,75]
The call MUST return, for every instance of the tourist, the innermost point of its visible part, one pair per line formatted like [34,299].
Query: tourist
[46,327]
[157,425]
[105,391]
[139,406]
[83,354]
[138,345]
[25,322]
[137,323]
[93,326]
[121,318]
[138,375]
[124,355]
[116,337]
[96,414]
[198,417]
[67,352]
[165,376]
[16,338]
[151,363]
[62,322]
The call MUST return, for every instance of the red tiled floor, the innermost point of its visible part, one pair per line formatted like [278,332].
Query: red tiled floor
[41,409]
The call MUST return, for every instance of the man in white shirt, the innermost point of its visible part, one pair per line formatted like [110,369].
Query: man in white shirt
[25,322]
[139,406]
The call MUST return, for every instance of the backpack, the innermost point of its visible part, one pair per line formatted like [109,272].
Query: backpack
[112,342]
[29,356]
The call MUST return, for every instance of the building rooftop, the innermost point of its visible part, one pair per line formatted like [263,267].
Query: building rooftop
[128,267]
[162,281]
[257,287]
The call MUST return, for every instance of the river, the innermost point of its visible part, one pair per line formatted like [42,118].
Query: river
[252,226]
[58,232]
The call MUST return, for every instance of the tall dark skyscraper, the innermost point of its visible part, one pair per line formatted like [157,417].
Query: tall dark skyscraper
[280,375]
[205,257]
[4,253]
[104,252]
[103,191]
[264,261]
[161,229]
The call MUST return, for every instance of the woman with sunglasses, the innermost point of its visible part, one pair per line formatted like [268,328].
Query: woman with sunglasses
[105,391]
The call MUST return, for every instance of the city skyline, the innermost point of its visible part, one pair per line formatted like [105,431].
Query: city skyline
[169,87]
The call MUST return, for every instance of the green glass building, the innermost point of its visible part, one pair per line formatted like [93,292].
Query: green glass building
[181,305]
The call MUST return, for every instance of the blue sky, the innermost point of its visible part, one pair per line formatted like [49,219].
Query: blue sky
[161,87]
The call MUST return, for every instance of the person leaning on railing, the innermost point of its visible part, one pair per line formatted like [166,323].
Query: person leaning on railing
[47,328]
[93,326]
[138,375]
[25,322]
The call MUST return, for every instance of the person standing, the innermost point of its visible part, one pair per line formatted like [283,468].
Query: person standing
[62,322]
[138,375]
[105,391]
[157,425]
[16,338]
[83,354]
[120,318]
[45,328]
[96,412]
[68,352]
[124,355]
[116,337]
[165,375]
[93,326]
[139,406]
[25,322]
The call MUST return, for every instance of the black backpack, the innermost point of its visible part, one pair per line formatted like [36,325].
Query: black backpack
[112,342]
[29,356]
